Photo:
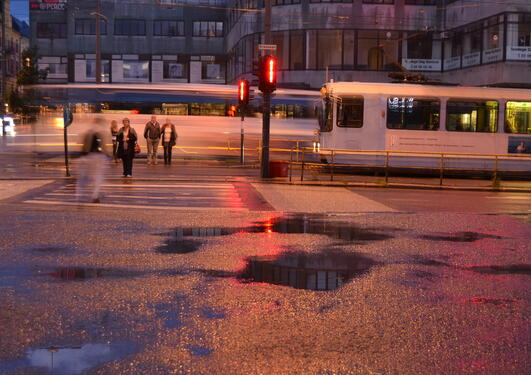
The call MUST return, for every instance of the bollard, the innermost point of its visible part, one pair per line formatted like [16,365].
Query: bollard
[332,168]
[302,165]
[441,170]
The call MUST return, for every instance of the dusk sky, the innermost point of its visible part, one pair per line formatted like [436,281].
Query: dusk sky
[20,9]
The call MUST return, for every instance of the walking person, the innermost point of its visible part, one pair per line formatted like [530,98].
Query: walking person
[114,133]
[152,135]
[169,138]
[92,163]
[127,139]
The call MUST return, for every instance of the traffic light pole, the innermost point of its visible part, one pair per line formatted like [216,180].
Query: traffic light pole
[266,110]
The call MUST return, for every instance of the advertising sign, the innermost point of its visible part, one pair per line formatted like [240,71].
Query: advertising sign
[48,4]
[492,55]
[471,59]
[519,53]
[429,65]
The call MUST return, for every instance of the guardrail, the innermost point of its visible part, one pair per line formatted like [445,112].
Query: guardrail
[385,161]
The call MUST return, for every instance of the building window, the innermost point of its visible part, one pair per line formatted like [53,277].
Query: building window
[213,70]
[329,1]
[55,70]
[211,29]
[329,49]
[136,69]
[412,113]
[378,1]
[296,51]
[174,70]
[420,46]
[472,116]
[51,30]
[88,27]
[168,28]
[420,2]
[90,71]
[350,113]
[518,117]
[129,27]
[286,2]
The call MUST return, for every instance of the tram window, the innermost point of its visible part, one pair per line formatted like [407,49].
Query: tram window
[207,109]
[325,117]
[350,113]
[480,116]
[518,117]
[413,113]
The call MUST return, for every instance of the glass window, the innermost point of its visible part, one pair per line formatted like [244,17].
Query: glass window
[329,50]
[213,70]
[207,109]
[208,28]
[174,70]
[350,113]
[348,49]
[472,116]
[90,71]
[168,28]
[54,69]
[326,116]
[518,117]
[296,57]
[420,2]
[420,46]
[136,69]
[378,1]
[51,30]
[129,27]
[88,27]
[412,113]
[311,49]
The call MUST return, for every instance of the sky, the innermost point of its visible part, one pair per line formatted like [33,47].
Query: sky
[20,9]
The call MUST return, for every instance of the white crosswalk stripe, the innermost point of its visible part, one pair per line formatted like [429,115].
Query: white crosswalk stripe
[176,196]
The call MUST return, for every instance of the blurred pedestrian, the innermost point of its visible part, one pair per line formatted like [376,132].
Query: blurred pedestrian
[114,134]
[152,135]
[92,162]
[127,139]
[169,138]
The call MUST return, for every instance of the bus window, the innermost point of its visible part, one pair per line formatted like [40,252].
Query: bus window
[325,117]
[412,113]
[350,113]
[518,117]
[479,116]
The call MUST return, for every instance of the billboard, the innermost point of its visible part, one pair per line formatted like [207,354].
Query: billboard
[48,4]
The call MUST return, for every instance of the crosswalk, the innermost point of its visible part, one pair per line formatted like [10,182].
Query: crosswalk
[163,195]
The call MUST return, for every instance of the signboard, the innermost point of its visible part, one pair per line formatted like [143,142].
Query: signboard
[267,47]
[48,4]
[491,55]
[452,63]
[471,59]
[430,65]
[519,53]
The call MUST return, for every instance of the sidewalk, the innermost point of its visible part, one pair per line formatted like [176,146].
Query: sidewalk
[38,167]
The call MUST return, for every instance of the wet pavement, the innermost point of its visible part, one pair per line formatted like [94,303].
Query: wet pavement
[105,290]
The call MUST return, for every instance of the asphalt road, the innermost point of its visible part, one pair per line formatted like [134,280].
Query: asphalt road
[208,276]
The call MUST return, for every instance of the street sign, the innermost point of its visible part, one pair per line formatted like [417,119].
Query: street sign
[68,116]
[267,47]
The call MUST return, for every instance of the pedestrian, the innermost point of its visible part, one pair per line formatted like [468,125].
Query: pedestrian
[92,162]
[521,148]
[169,138]
[127,139]
[152,135]
[114,133]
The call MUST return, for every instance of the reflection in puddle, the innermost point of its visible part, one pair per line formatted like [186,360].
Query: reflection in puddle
[77,359]
[322,271]
[83,273]
[298,224]
[179,245]
[460,237]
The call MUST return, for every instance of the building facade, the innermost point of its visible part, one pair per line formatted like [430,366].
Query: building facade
[216,41]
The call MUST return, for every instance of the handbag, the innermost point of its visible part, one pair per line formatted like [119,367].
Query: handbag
[137,148]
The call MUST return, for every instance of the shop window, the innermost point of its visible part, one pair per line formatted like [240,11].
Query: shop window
[130,27]
[350,113]
[480,116]
[413,113]
[88,27]
[90,71]
[174,70]
[136,69]
[518,117]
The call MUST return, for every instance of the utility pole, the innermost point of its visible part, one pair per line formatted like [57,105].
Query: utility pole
[266,104]
[3,61]
[98,42]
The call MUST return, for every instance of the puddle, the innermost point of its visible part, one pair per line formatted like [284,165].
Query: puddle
[298,224]
[51,249]
[179,245]
[321,271]
[84,273]
[491,301]
[78,359]
[460,237]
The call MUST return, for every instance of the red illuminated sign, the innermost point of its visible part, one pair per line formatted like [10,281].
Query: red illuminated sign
[48,4]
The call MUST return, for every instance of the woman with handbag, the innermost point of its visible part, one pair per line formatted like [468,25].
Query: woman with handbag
[127,146]
[169,137]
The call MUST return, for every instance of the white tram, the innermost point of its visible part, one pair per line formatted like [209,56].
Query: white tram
[468,122]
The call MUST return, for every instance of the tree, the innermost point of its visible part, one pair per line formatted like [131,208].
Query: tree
[30,74]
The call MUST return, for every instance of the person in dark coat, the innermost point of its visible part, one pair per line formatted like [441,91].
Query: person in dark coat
[127,139]
[169,138]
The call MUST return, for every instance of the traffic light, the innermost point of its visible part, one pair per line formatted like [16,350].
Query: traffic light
[268,74]
[243,92]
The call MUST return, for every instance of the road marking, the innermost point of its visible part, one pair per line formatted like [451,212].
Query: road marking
[510,197]
[140,196]
[114,205]
[219,186]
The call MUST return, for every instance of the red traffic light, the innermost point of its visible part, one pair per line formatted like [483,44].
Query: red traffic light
[243,92]
[268,74]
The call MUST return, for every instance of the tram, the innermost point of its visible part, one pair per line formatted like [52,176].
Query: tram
[415,121]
